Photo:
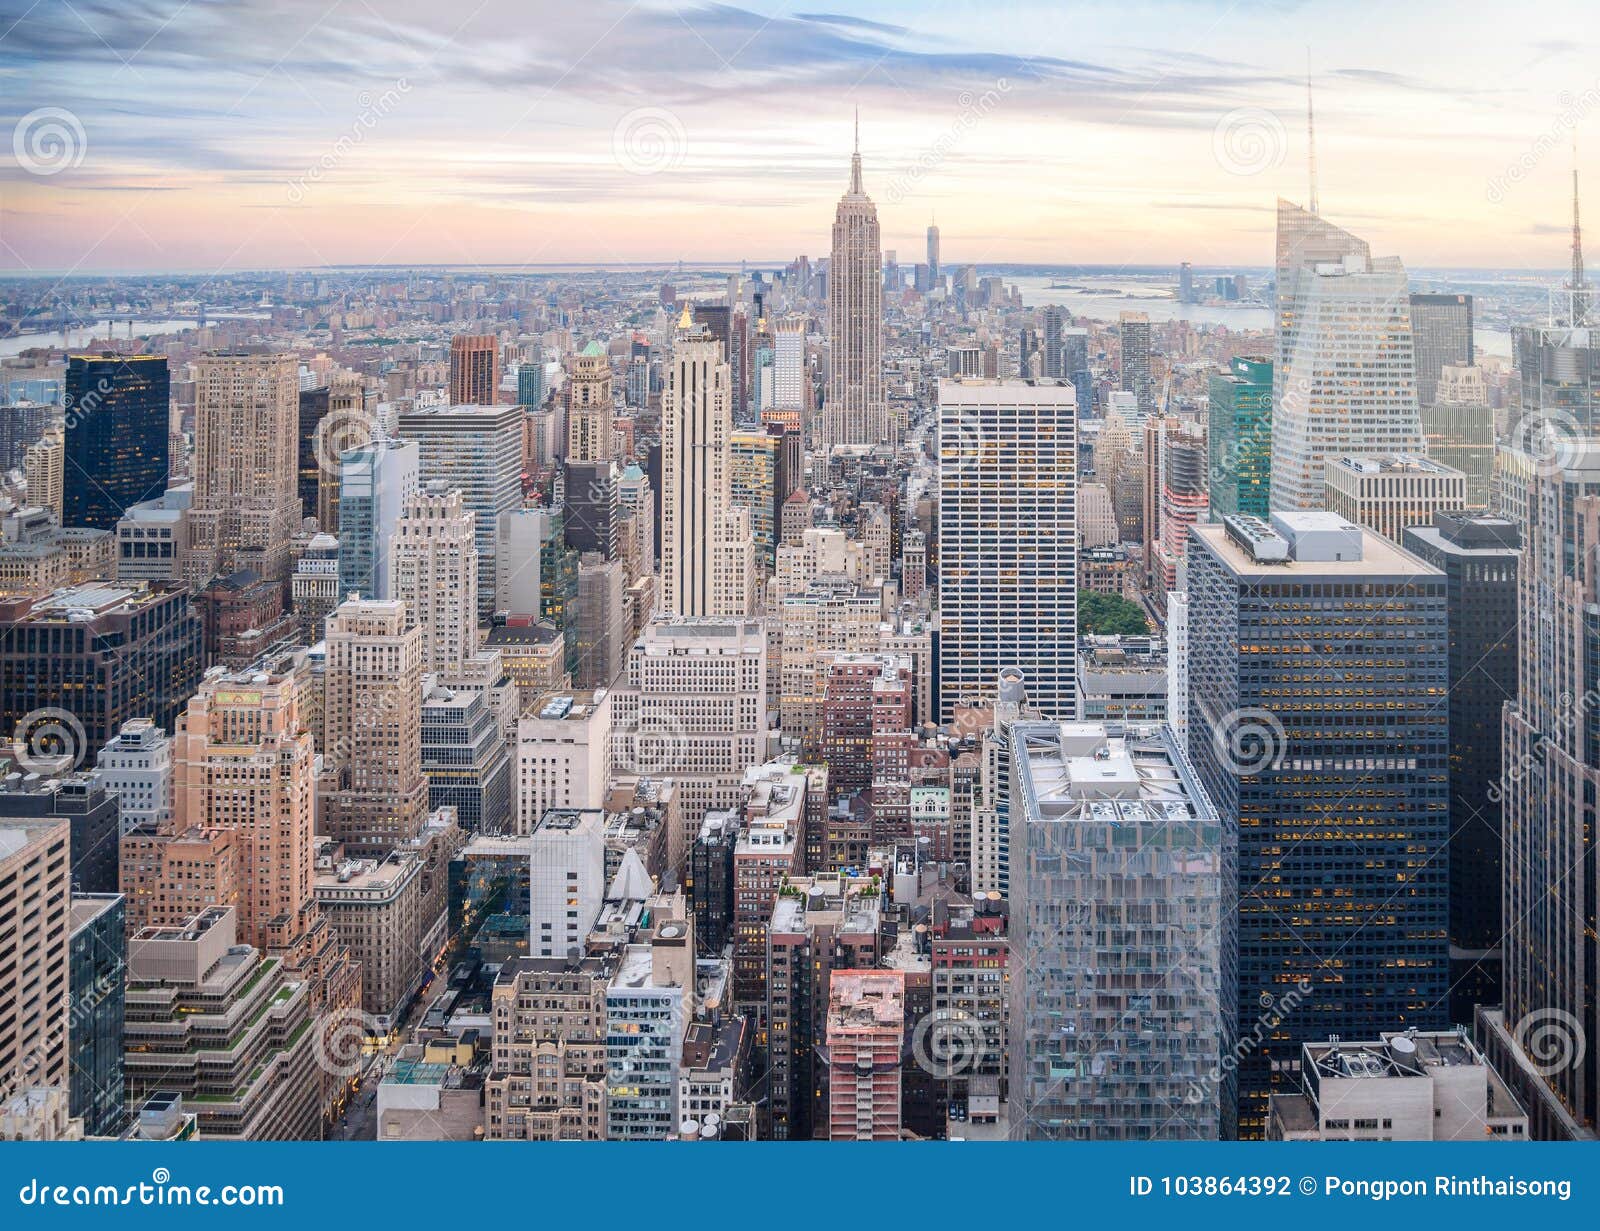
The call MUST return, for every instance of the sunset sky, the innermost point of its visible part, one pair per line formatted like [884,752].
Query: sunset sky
[212,134]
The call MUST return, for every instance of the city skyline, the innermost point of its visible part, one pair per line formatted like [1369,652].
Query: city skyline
[461,142]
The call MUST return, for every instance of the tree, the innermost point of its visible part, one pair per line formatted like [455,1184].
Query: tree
[1111,614]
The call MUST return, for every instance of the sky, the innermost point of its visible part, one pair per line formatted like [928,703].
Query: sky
[212,135]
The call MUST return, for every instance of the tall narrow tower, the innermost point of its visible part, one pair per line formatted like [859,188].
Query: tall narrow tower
[856,411]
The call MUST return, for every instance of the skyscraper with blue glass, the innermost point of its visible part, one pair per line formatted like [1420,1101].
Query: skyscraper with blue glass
[116,436]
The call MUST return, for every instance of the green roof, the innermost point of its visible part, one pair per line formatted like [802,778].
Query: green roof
[594,348]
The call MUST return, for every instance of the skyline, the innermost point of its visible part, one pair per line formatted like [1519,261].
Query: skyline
[223,142]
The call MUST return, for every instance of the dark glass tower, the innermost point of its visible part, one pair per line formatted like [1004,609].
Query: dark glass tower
[1478,556]
[116,440]
[1318,673]
[99,960]
[1241,438]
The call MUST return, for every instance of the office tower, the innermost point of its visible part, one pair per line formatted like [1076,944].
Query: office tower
[589,406]
[1441,337]
[1178,665]
[1183,501]
[1008,561]
[98,949]
[1478,556]
[705,538]
[1053,325]
[856,409]
[20,426]
[246,505]
[531,384]
[1186,283]
[865,1034]
[1458,428]
[244,761]
[831,614]
[42,465]
[136,767]
[474,369]
[592,515]
[1240,438]
[35,932]
[753,481]
[933,255]
[309,472]
[466,759]
[710,881]
[1389,493]
[372,793]
[102,654]
[1305,239]
[520,543]
[647,1012]
[714,321]
[913,565]
[92,814]
[226,1028]
[314,585]
[1122,896]
[1030,354]
[152,536]
[1122,679]
[567,881]
[478,450]
[392,913]
[791,378]
[1330,787]
[1543,1039]
[1134,372]
[563,753]
[351,422]
[692,707]
[241,614]
[1401,1086]
[991,805]
[601,626]
[1344,380]
[117,415]
[435,566]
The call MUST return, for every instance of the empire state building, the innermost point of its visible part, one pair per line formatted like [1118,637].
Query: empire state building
[855,411]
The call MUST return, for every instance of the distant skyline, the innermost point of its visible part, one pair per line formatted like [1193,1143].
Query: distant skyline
[207,136]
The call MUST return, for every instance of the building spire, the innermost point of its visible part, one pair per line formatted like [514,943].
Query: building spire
[1311,136]
[1580,304]
[855,160]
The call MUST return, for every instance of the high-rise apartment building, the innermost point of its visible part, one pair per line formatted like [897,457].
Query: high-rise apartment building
[1344,378]
[435,565]
[1122,897]
[246,506]
[35,929]
[1007,539]
[1318,668]
[476,449]
[373,794]
[117,412]
[865,1033]
[856,409]
[42,465]
[474,369]
[1133,372]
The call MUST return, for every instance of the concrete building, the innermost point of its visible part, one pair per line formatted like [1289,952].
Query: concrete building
[563,754]
[865,1034]
[567,882]
[1008,552]
[35,933]
[474,369]
[1402,1086]
[466,757]
[435,574]
[1122,892]
[91,813]
[314,586]
[152,537]
[136,767]
[1390,493]
[548,1075]
[856,408]
[1122,679]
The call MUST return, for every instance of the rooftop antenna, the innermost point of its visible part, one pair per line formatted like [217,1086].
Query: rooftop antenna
[1311,135]
[855,159]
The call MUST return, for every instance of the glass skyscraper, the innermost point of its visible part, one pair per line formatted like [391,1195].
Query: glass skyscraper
[1240,438]
[99,960]
[116,440]
[1318,673]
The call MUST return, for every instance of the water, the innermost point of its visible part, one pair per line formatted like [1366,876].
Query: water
[82,335]
[1104,299]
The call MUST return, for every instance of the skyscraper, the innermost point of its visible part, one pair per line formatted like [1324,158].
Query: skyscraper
[1478,556]
[1458,427]
[435,565]
[588,404]
[1546,1035]
[1344,380]
[1317,675]
[1007,540]
[1240,438]
[116,418]
[474,369]
[478,451]
[375,482]
[1441,335]
[706,552]
[1134,370]
[933,255]
[373,794]
[856,409]
[35,928]
[1115,1038]
[246,506]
